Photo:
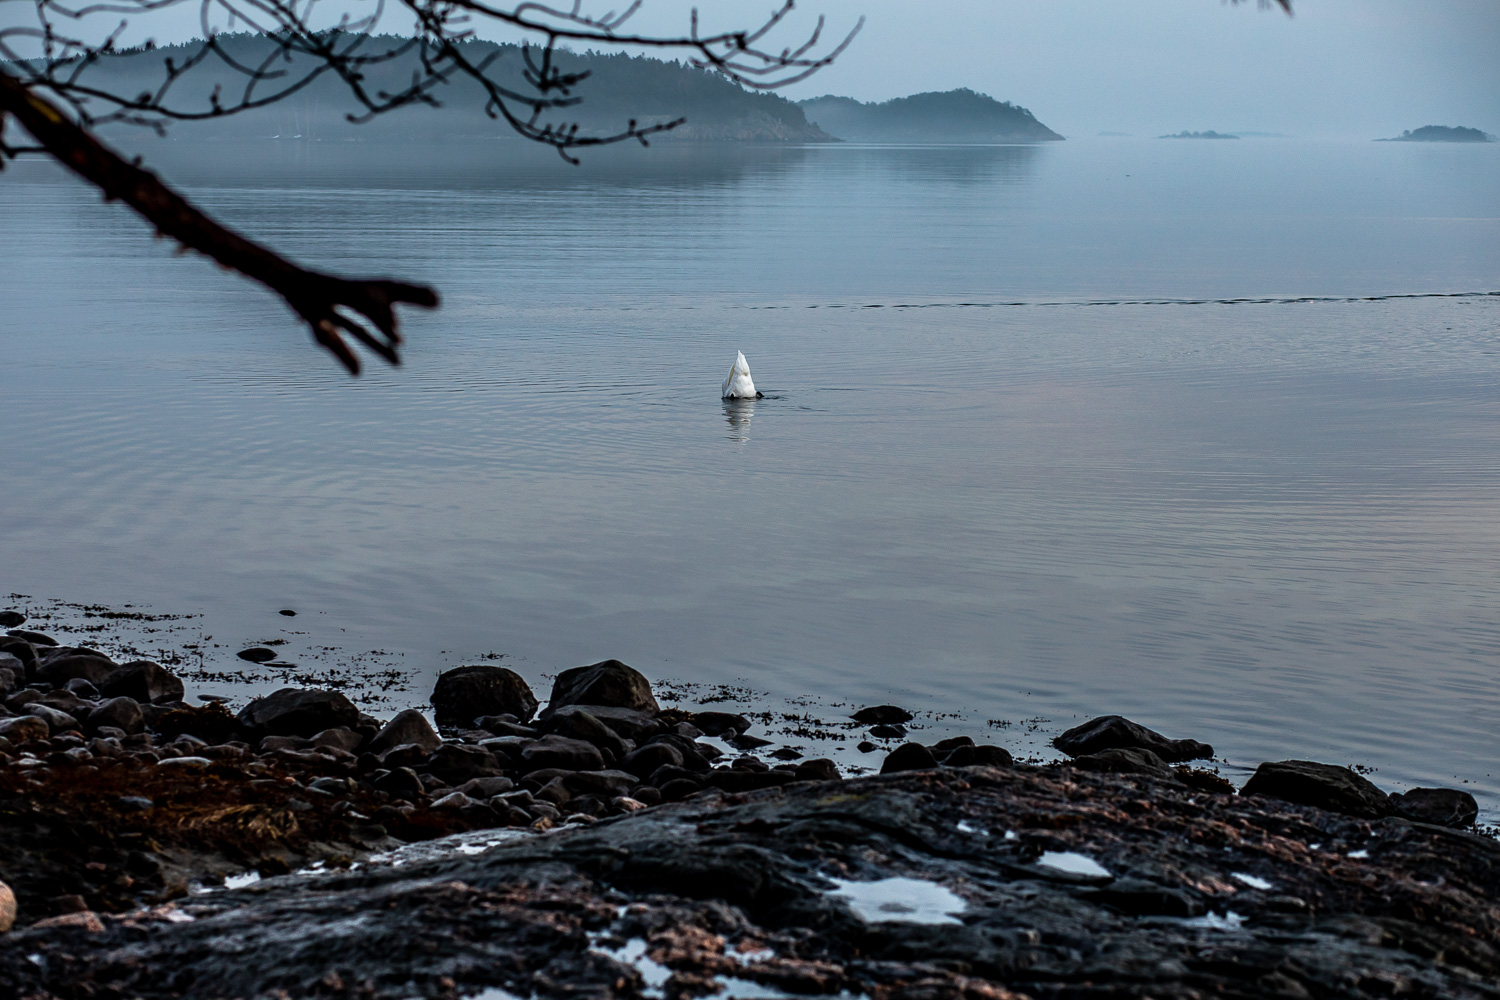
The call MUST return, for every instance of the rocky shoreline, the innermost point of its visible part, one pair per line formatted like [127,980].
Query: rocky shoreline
[662,852]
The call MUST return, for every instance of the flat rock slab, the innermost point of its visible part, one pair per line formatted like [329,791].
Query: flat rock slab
[959,883]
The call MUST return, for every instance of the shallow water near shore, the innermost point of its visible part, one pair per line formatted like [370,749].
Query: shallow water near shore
[1105,426]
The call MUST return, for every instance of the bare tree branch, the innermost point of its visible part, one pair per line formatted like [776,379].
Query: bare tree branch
[327,303]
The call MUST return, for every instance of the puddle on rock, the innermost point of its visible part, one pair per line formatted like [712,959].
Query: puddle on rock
[1074,864]
[907,900]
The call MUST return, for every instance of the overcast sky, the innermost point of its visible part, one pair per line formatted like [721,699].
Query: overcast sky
[1338,68]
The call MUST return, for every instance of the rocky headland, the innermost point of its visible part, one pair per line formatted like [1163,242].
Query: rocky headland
[604,846]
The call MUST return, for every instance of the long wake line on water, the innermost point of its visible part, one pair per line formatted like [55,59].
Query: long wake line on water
[1142,302]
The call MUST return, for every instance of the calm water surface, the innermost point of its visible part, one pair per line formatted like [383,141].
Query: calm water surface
[1121,426]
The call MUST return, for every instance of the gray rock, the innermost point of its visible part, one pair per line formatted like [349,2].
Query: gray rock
[645,760]
[329,785]
[21,650]
[1114,732]
[144,681]
[463,694]
[608,682]
[454,764]
[818,769]
[1326,786]
[402,783]
[497,726]
[715,723]
[453,800]
[1442,806]
[409,726]
[486,788]
[559,751]
[630,723]
[884,731]
[118,713]
[298,712]
[987,755]
[35,638]
[605,784]
[24,727]
[908,757]
[79,687]
[1126,760]
[10,619]
[340,738]
[257,654]
[881,715]
[67,662]
[57,720]
[576,723]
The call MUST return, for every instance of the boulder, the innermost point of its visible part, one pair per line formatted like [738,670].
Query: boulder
[987,755]
[576,723]
[119,713]
[1114,732]
[644,761]
[10,619]
[257,654]
[882,715]
[908,757]
[35,638]
[67,662]
[142,680]
[818,769]
[1126,760]
[409,726]
[1441,806]
[559,751]
[630,723]
[715,723]
[24,727]
[484,788]
[340,738]
[454,765]
[7,904]
[298,712]
[1326,786]
[21,650]
[56,719]
[609,682]
[605,784]
[463,694]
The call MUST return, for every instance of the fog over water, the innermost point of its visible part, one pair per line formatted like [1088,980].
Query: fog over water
[1115,425]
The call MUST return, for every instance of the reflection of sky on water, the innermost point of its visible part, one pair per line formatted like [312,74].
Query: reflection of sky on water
[738,413]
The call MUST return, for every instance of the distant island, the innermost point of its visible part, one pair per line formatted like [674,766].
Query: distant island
[957,116]
[1441,133]
[1210,134]
[618,88]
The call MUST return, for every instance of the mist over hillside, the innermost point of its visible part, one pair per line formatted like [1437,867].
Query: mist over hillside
[619,88]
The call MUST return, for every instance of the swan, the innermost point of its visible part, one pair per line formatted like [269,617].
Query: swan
[738,384]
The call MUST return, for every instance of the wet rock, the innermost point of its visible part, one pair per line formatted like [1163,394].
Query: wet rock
[117,713]
[454,764]
[298,712]
[453,801]
[908,757]
[57,721]
[287,613]
[716,723]
[135,803]
[986,755]
[1326,786]
[882,715]
[21,650]
[1140,898]
[865,746]
[487,788]
[406,727]
[559,751]
[463,694]
[22,728]
[734,780]
[1128,760]
[680,788]
[35,638]
[1442,806]
[67,662]
[211,723]
[744,741]
[642,762]
[604,784]
[575,723]
[329,785]
[786,753]
[949,745]
[629,723]
[82,689]
[339,738]
[401,783]
[890,731]
[10,619]
[818,769]
[555,791]
[1114,732]
[257,654]
[12,673]
[144,681]
[497,725]
[609,682]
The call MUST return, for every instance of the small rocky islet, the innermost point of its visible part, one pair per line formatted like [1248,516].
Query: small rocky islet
[648,861]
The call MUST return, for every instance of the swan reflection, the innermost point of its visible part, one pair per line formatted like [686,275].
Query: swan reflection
[738,412]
